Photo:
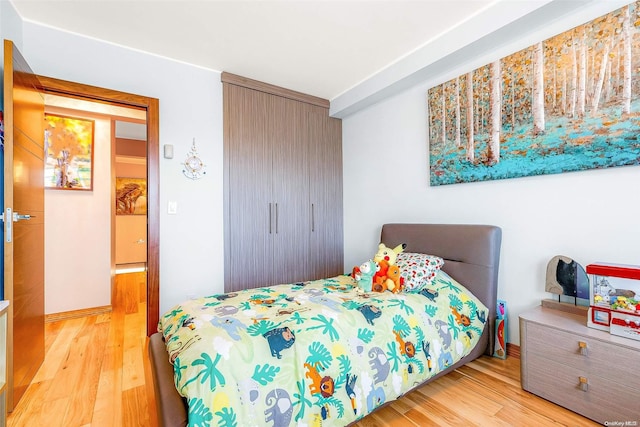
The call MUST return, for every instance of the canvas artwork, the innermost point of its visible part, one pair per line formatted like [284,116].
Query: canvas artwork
[131,196]
[568,103]
[69,153]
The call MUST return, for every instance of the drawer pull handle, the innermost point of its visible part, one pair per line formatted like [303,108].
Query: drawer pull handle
[584,384]
[583,348]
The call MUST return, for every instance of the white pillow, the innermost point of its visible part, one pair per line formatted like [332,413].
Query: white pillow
[418,270]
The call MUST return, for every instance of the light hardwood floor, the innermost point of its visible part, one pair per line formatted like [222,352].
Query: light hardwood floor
[96,373]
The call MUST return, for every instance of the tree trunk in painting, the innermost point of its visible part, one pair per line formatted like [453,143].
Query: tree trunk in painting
[582,75]
[564,92]
[538,90]
[513,105]
[574,78]
[626,87]
[470,144]
[444,114]
[496,113]
[458,112]
[600,82]
[607,83]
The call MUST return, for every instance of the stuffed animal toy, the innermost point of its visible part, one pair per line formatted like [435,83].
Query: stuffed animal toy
[388,254]
[381,275]
[394,282]
[380,287]
[365,276]
[355,271]
[390,281]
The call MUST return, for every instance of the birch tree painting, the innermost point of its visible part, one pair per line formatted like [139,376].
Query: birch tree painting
[568,103]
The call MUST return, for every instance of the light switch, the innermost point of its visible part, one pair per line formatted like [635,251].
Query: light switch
[172,207]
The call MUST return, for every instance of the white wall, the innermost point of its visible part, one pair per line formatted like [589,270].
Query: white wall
[589,216]
[77,256]
[191,242]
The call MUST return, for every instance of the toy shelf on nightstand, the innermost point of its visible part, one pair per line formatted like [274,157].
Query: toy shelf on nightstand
[614,295]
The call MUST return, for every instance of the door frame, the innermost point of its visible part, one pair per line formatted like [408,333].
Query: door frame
[151,106]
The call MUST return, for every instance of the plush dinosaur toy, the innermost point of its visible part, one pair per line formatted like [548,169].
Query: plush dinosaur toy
[365,276]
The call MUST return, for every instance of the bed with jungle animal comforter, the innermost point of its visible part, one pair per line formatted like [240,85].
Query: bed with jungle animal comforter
[322,352]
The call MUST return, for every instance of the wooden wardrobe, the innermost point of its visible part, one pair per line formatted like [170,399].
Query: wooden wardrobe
[283,186]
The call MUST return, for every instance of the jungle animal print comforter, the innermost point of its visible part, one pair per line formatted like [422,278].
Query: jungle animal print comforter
[314,353]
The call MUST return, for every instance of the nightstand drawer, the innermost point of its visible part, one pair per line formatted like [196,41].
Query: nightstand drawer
[600,358]
[604,399]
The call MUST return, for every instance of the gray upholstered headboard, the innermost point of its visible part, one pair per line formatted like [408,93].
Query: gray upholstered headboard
[471,253]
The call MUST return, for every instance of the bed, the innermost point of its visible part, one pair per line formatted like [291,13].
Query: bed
[316,367]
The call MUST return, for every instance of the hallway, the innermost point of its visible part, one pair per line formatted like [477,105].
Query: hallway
[94,369]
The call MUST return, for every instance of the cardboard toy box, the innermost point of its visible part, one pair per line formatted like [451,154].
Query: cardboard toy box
[500,349]
[614,293]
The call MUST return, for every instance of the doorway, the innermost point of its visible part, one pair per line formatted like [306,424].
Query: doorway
[150,108]
[79,224]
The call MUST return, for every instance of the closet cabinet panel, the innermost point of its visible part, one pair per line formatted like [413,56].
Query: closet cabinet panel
[283,188]
[325,193]
[249,169]
[290,185]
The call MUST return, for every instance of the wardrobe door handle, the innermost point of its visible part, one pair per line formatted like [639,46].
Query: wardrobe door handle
[276,218]
[313,218]
[269,218]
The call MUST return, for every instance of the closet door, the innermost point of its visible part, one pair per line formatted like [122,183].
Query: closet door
[325,193]
[283,186]
[290,189]
[249,191]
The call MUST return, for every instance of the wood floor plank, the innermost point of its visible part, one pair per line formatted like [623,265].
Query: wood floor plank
[133,357]
[108,404]
[136,409]
[59,348]
[52,413]
[83,396]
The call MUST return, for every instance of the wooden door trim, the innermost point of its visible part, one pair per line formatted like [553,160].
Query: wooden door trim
[151,105]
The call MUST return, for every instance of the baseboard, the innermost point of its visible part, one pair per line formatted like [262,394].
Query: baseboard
[513,350]
[73,314]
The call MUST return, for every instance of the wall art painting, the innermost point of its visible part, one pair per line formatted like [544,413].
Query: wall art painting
[568,103]
[69,153]
[131,196]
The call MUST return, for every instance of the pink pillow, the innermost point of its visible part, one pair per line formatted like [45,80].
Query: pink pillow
[418,270]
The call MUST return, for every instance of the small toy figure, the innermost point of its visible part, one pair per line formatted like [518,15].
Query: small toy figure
[365,276]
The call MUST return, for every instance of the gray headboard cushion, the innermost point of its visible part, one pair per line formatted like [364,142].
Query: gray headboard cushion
[471,253]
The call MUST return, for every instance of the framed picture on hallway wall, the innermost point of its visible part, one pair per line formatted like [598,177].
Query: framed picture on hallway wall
[69,153]
[131,196]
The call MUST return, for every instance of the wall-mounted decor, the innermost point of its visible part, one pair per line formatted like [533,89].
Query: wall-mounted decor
[193,165]
[568,103]
[69,153]
[131,196]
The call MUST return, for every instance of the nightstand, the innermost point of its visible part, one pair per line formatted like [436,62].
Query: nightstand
[588,371]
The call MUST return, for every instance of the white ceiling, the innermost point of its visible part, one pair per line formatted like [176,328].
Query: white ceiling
[322,48]
[352,53]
